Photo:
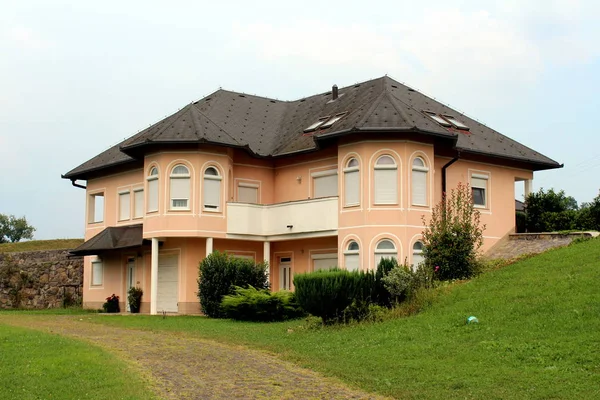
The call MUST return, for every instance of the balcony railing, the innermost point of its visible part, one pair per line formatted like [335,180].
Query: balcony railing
[295,217]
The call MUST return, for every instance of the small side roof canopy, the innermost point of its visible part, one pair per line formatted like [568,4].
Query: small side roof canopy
[112,238]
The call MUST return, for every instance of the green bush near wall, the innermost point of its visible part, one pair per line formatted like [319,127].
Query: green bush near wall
[250,304]
[220,273]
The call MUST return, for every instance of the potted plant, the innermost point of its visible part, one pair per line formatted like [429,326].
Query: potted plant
[112,304]
[134,297]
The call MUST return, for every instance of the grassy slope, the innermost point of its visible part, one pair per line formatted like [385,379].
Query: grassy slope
[33,245]
[36,365]
[537,337]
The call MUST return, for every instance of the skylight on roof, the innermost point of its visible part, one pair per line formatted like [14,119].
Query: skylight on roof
[437,118]
[317,124]
[456,122]
[332,120]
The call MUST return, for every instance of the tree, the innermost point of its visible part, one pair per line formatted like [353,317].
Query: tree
[13,229]
[549,211]
[453,236]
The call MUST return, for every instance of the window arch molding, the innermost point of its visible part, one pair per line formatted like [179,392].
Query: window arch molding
[376,240]
[420,175]
[352,253]
[153,186]
[213,184]
[352,183]
[386,178]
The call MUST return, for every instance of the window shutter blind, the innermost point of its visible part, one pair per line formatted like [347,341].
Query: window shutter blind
[379,256]
[479,183]
[352,262]
[138,203]
[153,195]
[386,186]
[124,205]
[325,263]
[419,188]
[326,186]
[97,273]
[351,188]
[180,189]
[212,193]
[247,194]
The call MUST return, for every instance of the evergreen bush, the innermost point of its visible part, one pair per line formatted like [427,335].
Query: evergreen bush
[220,273]
[250,304]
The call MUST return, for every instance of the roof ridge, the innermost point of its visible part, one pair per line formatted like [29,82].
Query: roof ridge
[215,124]
[372,108]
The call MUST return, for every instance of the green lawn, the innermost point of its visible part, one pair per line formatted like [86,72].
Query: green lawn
[36,365]
[34,245]
[538,336]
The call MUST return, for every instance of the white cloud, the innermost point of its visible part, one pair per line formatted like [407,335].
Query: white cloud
[26,38]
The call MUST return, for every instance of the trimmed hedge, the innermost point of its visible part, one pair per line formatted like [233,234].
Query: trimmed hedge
[251,304]
[220,273]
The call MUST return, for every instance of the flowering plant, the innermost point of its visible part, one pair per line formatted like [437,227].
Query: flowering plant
[112,304]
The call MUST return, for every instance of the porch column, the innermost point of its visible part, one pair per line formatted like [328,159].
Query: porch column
[267,252]
[528,187]
[209,246]
[154,276]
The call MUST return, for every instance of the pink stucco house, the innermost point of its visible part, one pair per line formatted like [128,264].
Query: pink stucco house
[339,178]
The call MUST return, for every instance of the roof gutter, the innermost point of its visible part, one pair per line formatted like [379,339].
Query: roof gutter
[77,184]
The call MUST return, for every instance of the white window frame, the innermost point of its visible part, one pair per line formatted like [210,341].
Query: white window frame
[352,253]
[474,185]
[93,208]
[126,209]
[385,167]
[173,177]
[218,177]
[93,274]
[347,176]
[384,253]
[137,192]
[153,179]
[323,174]
[417,168]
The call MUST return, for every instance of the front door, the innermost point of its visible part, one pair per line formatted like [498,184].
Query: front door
[130,278]
[168,282]
[285,273]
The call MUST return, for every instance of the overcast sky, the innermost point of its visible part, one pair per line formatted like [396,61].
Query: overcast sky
[79,76]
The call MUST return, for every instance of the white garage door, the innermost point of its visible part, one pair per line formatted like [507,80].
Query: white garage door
[167,283]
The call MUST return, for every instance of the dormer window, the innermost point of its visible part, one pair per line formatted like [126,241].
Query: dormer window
[457,124]
[317,124]
[437,118]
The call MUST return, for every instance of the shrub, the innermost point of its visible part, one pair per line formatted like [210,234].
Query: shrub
[220,273]
[398,282]
[380,294]
[112,304]
[327,294]
[453,236]
[134,298]
[250,304]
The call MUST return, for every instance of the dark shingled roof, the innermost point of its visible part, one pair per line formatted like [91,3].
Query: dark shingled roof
[271,128]
[112,238]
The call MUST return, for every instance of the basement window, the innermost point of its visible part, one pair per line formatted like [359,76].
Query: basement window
[438,118]
[332,120]
[317,124]
[455,122]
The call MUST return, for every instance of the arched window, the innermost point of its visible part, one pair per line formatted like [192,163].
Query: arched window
[417,254]
[386,181]
[351,256]
[212,189]
[351,183]
[153,190]
[180,188]
[419,182]
[385,249]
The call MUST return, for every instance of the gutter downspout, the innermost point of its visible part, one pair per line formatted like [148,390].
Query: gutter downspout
[77,184]
[455,159]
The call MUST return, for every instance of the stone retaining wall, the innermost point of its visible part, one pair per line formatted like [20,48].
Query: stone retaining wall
[40,279]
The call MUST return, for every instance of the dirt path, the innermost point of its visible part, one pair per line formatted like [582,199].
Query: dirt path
[184,367]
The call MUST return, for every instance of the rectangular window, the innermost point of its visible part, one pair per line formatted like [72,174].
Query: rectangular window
[138,203]
[96,208]
[124,206]
[324,261]
[479,190]
[386,186]
[419,188]
[212,194]
[351,188]
[180,193]
[153,195]
[97,273]
[248,193]
[325,184]
[352,262]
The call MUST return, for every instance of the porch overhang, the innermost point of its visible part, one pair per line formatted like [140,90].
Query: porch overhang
[112,238]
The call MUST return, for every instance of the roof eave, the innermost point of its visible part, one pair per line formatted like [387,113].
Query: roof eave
[538,165]
[83,175]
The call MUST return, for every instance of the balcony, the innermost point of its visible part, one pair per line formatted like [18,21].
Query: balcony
[303,218]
